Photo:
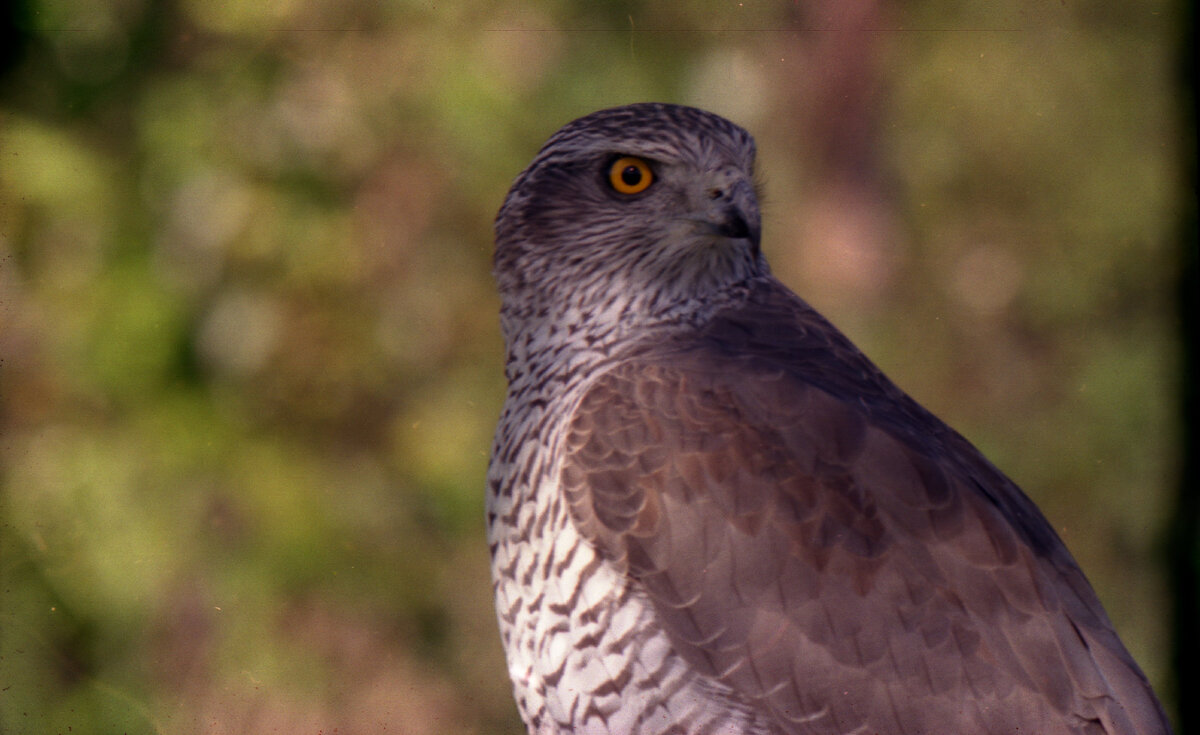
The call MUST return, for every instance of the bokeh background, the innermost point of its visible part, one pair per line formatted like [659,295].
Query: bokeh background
[249,353]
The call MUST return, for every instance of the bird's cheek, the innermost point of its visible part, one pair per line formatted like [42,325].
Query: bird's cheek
[691,233]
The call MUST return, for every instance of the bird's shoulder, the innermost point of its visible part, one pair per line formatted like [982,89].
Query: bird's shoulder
[768,382]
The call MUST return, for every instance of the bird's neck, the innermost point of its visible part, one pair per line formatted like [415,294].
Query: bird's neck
[579,332]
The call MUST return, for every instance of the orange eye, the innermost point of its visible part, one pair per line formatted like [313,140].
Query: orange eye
[630,175]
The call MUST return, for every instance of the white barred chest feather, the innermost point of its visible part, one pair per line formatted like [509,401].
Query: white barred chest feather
[584,653]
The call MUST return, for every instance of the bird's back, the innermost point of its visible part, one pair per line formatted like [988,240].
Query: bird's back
[817,543]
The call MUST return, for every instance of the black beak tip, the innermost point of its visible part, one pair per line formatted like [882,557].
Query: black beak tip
[735,225]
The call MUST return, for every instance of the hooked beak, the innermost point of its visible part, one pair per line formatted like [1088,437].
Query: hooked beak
[733,212]
[735,222]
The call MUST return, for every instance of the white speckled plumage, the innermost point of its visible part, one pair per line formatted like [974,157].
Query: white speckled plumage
[578,636]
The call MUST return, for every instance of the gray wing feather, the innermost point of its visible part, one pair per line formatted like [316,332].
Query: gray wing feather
[815,540]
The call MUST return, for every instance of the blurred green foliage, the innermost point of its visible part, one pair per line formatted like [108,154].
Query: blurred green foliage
[249,357]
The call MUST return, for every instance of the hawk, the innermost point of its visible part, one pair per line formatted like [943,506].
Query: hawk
[708,512]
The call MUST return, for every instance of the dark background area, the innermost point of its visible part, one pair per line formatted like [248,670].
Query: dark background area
[249,354]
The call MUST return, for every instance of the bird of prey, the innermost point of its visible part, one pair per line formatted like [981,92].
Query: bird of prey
[708,512]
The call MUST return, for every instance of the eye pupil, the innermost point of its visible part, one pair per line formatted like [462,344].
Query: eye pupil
[631,175]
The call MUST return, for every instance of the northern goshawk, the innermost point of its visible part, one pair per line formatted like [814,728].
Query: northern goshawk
[708,512]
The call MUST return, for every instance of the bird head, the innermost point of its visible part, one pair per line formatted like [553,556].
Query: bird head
[637,208]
